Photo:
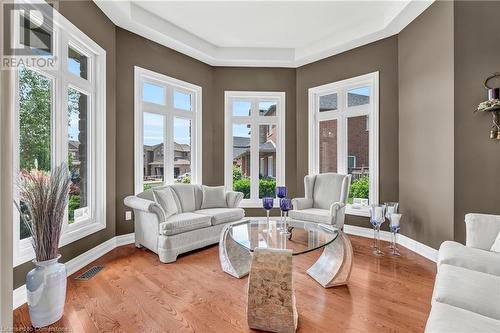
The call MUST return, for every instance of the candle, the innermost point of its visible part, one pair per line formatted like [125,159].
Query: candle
[390,210]
[395,219]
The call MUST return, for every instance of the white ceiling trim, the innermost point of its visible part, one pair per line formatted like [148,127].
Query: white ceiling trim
[134,18]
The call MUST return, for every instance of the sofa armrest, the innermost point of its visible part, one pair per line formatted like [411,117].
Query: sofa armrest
[481,230]
[302,203]
[233,199]
[145,205]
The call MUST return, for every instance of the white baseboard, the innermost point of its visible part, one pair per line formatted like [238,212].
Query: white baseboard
[411,244]
[73,265]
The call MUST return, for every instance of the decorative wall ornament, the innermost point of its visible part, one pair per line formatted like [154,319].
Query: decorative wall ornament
[492,105]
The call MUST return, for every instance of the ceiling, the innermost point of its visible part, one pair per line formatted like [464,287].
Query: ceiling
[265,33]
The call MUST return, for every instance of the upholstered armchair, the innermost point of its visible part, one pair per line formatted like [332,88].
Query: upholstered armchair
[325,199]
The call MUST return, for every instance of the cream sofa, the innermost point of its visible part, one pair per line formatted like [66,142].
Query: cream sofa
[174,219]
[466,296]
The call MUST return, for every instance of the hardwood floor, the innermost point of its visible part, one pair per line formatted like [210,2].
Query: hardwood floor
[137,293]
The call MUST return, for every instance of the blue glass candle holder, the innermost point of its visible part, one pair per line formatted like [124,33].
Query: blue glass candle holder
[281,191]
[267,204]
[285,206]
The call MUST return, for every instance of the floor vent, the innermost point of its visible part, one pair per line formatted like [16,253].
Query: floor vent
[89,274]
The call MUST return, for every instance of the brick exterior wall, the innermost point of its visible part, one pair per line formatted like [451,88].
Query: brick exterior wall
[358,144]
[328,146]
[358,140]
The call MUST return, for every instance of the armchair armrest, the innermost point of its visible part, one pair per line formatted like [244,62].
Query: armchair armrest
[302,203]
[233,199]
[337,212]
[144,205]
[481,230]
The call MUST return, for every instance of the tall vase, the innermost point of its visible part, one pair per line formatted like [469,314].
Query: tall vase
[46,291]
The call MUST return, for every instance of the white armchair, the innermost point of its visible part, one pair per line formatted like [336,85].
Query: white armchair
[325,199]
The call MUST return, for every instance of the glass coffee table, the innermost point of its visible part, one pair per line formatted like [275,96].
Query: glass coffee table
[239,239]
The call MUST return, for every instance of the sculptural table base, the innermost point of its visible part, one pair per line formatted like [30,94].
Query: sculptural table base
[234,259]
[334,266]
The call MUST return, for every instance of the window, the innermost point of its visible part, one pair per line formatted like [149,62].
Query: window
[254,144]
[61,118]
[343,136]
[167,130]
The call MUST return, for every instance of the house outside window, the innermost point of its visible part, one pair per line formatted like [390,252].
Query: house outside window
[343,136]
[167,130]
[254,144]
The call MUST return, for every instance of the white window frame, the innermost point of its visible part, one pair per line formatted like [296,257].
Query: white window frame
[65,34]
[341,114]
[141,76]
[255,120]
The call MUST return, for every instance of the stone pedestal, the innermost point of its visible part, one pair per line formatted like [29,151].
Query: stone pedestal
[271,298]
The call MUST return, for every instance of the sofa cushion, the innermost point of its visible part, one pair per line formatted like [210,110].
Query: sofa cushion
[312,215]
[448,318]
[186,197]
[184,222]
[453,253]
[467,289]
[223,215]
[213,197]
[165,198]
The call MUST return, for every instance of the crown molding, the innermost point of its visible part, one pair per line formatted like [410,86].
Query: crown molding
[134,18]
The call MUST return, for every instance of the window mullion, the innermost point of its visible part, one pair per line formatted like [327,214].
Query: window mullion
[254,151]
[168,153]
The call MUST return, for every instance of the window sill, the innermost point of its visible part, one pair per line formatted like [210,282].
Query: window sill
[362,211]
[26,252]
[248,203]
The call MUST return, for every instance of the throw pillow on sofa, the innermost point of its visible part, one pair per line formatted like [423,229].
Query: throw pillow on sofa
[165,198]
[213,197]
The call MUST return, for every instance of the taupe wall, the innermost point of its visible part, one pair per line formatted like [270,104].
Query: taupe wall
[254,79]
[134,50]
[381,56]
[477,158]
[426,125]
[417,164]
[89,18]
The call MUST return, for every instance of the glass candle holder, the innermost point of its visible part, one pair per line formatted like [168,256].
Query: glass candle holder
[281,192]
[377,217]
[285,206]
[391,208]
[395,225]
[267,204]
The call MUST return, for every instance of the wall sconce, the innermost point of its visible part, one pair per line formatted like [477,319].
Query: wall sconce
[492,105]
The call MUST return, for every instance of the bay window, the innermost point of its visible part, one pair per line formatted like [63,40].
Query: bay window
[254,144]
[343,136]
[60,117]
[167,130]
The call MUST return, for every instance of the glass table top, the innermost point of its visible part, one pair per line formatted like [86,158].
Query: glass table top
[305,237]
